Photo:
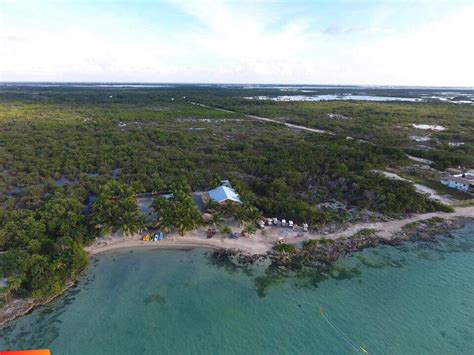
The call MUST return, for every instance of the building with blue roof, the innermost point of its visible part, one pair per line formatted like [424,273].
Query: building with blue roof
[223,194]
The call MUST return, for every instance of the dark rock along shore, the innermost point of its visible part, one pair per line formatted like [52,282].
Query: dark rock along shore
[324,255]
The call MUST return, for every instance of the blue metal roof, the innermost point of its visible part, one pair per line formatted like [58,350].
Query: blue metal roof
[224,193]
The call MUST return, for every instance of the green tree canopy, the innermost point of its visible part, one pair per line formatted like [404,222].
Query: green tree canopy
[178,212]
[116,209]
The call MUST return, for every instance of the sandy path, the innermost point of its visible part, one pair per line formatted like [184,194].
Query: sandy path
[421,188]
[420,160]
[389,229]
[263,241]
[266,119]
[290,125]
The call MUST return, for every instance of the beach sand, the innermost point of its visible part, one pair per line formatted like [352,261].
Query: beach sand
[263,240]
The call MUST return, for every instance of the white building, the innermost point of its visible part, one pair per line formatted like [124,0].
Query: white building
[463,182]
[224,194]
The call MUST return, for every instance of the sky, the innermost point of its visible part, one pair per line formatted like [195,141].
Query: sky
[340,42]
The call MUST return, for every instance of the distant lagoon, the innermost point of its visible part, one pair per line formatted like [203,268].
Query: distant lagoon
[468,99]
[332,97]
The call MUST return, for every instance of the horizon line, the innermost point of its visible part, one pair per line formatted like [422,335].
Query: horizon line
[235,84]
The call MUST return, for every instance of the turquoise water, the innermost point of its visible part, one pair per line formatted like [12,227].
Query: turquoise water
[413,299]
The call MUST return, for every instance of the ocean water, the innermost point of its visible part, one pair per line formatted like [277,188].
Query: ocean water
[414,299]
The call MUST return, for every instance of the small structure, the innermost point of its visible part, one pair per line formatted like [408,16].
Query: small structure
[3,283]
[226,183]
[462,182]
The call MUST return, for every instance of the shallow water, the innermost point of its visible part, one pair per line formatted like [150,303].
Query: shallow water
[413,299]
[331,97]
[469,99]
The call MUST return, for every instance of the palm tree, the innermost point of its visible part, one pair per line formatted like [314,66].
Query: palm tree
[245,213]
[116,208]
[166,213]
[251,213]
[132,223]
[250,229]
[180,211]
[217,219]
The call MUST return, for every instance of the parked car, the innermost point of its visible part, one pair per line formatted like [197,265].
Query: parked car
[233,235]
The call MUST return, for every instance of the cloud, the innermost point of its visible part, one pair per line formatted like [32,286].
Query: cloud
[438,54]
[241,42]
[337,30]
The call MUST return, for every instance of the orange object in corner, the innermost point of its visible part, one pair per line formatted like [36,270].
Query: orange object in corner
[26,352]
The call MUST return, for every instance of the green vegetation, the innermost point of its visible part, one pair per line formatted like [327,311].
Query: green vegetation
[226,230]
[382,123]
[311,244]
[364,233]
[250,229]
[314,244]
[116,209]
[73,160]
[179,211]
[45,246]
[285,248]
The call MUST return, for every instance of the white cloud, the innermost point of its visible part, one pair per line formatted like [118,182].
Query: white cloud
[238,42]
[439,54]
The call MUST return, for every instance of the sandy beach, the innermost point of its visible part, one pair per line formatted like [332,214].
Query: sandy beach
[263,240]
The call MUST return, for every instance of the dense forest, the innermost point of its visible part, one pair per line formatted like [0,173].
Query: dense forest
[384,123]
[73,161]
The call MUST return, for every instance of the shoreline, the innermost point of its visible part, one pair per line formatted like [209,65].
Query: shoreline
[263,241]
[258,244]
[21,307]
[137,245]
